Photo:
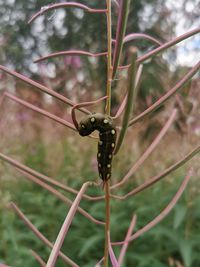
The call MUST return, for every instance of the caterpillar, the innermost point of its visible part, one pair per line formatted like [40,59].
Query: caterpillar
[107,139]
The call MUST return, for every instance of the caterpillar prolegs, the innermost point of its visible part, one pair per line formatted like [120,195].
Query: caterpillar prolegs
[107,138]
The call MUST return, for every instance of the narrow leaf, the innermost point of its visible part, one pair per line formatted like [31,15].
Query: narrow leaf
[148,151]
[65,227]
[169,94]
[131,98]
[39,234]
[134,36]
[128,235]
[29,172]
[71,52]
[163,214]
[41,87]
[121,29]
[65,5]
[41,111]
[158,177]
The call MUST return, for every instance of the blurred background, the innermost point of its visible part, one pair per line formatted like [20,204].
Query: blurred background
[54,150]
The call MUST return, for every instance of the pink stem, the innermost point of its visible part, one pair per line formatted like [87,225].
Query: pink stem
[63,5]
[134,36]
[84,104]
[65,227]
[163,214]
[169,94]
[149,150]
[41,87]
[60,196]
[41,111]
[38,258]
[39,234]
[71,52]
[128,235]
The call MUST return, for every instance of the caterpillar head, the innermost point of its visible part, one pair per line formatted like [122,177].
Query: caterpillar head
[85,127]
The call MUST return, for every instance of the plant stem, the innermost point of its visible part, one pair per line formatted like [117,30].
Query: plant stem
[109,57]
[107,226]
[108,108]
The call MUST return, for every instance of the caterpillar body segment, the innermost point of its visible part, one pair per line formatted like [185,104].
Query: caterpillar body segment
[107,139]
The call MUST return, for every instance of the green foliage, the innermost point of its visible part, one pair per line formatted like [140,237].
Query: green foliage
[177,237]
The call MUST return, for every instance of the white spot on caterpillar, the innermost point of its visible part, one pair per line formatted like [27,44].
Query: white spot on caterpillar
[100,143]
[83,126]
[99,155]
[113,145]
[113,131]
[105,121]
[92,119]
[108,175]
[99,165]
[110,156]
[108,165]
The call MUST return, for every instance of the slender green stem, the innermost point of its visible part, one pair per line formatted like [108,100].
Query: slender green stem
[131,98]
[109,57]
[108,108]
[121,29]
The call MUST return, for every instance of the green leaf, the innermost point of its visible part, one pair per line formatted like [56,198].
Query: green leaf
[186,252]
[180,213]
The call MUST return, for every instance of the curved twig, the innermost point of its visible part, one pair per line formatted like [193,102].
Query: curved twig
[71,52]
[162,215]
[84,104]
[149,150]
[163,47]
[41,87]
[133,36]
[64,5]
[41,111]
[165,97]
[158,177]
[39,234]
[65,227]
[38,258]
[121,29]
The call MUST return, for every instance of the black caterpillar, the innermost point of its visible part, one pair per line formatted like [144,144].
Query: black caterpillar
[107,138]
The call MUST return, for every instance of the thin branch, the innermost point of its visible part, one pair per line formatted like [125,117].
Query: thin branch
[121,29]
[109,57]
[169,94]
[39,234]
[65,227]
[133,36]
[41,111]
[113,258]
[65,5]
[149,150]
[27,170]
[84,104]
[128,235]
[38,258]
[158,177]
[123,104]
[131,98]
[167,45]
[163,214]
[60,196]
[164,46]
[71,52]
[41,87]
